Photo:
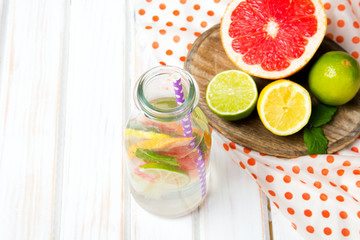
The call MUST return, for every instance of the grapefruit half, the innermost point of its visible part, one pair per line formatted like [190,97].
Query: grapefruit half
[272,39]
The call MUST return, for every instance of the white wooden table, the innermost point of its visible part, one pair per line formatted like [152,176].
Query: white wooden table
[67,69]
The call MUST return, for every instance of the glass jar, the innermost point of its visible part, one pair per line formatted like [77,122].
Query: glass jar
[168,142]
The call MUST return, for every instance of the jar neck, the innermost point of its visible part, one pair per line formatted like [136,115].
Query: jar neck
[166,93]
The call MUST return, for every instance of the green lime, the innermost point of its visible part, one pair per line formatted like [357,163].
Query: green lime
[166,174]
[232,95]
[334,79]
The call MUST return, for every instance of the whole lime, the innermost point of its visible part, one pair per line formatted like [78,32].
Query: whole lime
[334,79]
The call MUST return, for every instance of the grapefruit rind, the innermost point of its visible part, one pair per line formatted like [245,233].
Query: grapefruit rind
[296,64]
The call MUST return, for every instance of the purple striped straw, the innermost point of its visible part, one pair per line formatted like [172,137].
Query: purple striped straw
[188,132]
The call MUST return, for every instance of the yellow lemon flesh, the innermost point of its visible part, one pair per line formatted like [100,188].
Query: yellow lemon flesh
[284,107]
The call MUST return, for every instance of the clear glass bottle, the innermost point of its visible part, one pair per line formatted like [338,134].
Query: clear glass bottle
[168,143]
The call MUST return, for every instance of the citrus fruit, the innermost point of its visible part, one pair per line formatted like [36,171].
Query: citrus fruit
[284,107]
[232,95]
[272,39]
[334,79]
[166,174]
[145,134]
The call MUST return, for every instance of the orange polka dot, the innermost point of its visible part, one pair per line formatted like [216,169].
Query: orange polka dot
[203,24]
[296,169]
[176,38]
[176,12]
[169,52]
[355,199]
[340,23]
[323,197]
[327,231]
[182,1]
[317,184]
[340,198]
[148,0]
[210,13]
[339,39]
[341,7]
[355,149]
[269,178]
[162,31]
[216,1]
[333,184]
[302,182]
[141,11]
[162,6]
[310,170]
[272,193]
[340,172]
[155,45]
[189,46]
[155,18]
[310,229]
[287,179]
[344,187]
[247,150]
[328,21]
[325,213]
[189,19]
[327,6]
[183,28]
[169,24]
[288,195]
[357,184]
[313,156]
[197,34]
[242,165]
[254,175]
[262,154]
[356,24]
[356,172]
[280,168]
[226,147]
[196,6]
[306,196]
[346,163]
[162,63]
[358,214]
[182,58]
[345,232]
[308,213]
[329,35]
[294,225]
[276,204]
[291,211]
[324,172]
[232,145]
[251,161]
[148,27]
[356,39]
[343,215]
[355,54]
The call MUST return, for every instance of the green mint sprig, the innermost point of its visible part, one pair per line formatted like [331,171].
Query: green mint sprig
[149,156]
[314,137]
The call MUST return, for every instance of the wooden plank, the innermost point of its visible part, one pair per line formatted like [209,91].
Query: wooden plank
[31,61]
[92,176]
[233,208]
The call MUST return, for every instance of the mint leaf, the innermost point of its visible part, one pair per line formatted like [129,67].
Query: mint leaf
[321,114]
[149,156]
[315,141]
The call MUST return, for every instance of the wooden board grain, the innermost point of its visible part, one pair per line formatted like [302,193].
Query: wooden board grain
[207,57]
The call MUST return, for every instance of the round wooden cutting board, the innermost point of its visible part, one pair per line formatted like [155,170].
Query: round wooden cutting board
[207,58]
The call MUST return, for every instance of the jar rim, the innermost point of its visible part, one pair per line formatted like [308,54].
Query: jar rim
[170,114]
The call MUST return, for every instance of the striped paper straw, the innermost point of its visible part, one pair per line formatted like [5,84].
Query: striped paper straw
[188,132]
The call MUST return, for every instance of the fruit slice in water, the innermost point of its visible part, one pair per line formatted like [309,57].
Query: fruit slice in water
[232,95]
[275,38]
[284,107]
[145,134]
[166,174]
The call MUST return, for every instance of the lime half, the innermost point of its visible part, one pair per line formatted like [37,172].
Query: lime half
[232,95]
[166,174]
